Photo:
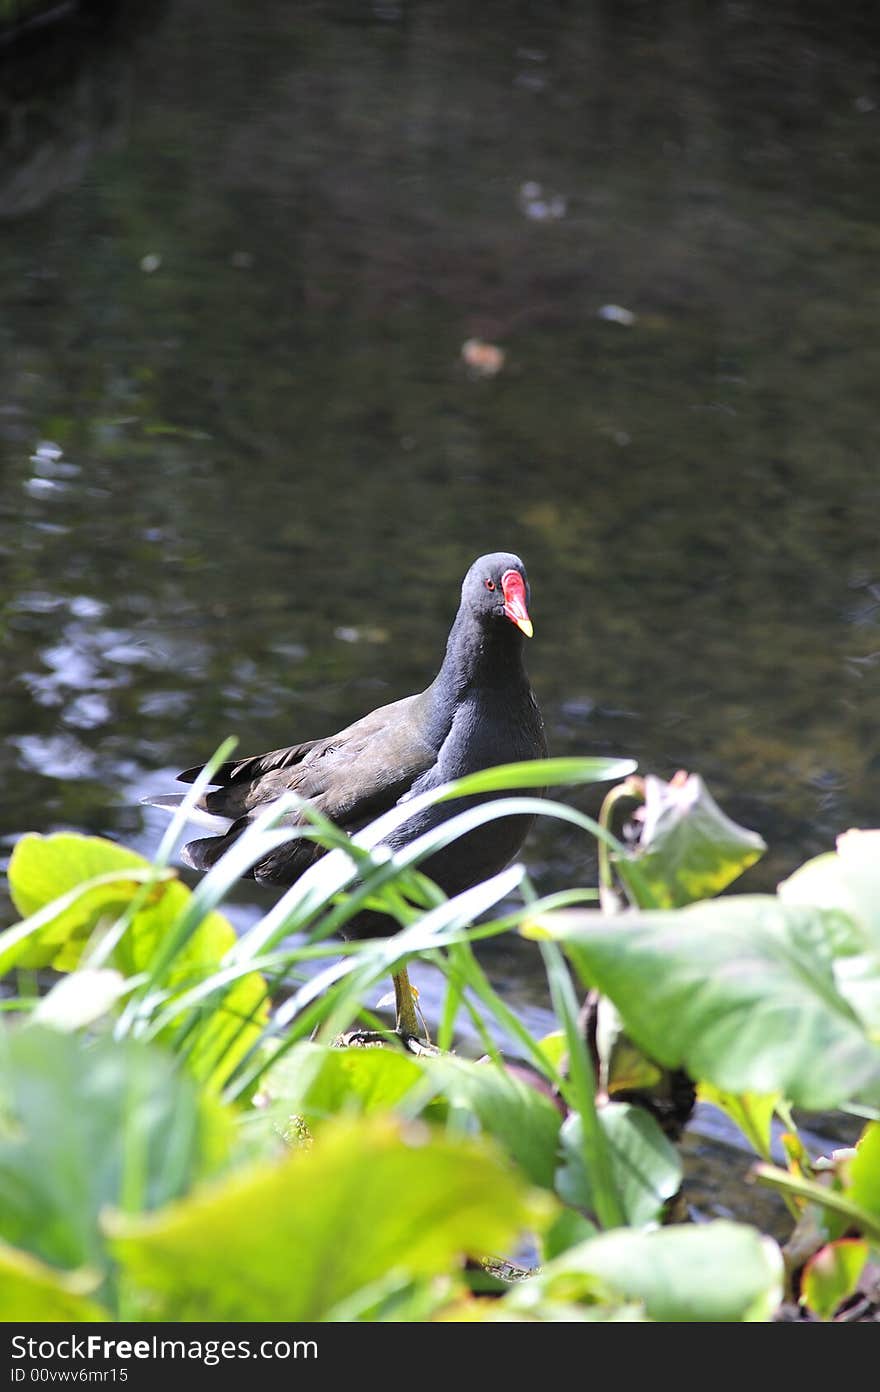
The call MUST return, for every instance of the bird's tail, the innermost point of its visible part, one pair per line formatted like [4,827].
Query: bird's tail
[198,816]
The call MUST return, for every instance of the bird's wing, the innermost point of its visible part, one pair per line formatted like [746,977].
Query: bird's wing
[252,766]
[351,776]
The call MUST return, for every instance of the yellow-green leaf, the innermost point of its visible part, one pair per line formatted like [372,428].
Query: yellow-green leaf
[832,1275]
[31,1291]
[291,1240]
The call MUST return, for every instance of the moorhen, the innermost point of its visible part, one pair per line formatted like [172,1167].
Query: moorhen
[478,711]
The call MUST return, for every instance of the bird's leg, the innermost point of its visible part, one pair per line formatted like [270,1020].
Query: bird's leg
[406,1027]
[405,999]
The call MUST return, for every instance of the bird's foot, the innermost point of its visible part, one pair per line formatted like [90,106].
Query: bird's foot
[378,1039]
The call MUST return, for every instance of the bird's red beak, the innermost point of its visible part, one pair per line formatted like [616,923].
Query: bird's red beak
[514,592]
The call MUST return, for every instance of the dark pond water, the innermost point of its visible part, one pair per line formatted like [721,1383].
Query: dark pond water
[245,467]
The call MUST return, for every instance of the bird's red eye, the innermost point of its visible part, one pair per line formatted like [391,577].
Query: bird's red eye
[490,584]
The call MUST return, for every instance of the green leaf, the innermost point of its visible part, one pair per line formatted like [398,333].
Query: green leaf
[30,1291]
[622,1067]
[317,1081]
[521,1118]
[84,1124]
[299,1237]
[688,849]
[86,878]
[832,1276]
[847,881]
[45,869]
[712,1272]
[229,1022]
[863,1172]
[555,1047]
[751,1113]
[646,1166]
[740,992]
[846,886]
[569,1230]
[858,980]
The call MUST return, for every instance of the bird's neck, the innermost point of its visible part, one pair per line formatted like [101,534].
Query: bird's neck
[480,658]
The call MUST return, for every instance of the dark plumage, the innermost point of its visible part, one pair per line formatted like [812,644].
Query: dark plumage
[478,711]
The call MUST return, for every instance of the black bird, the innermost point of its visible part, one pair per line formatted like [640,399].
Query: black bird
[478,711]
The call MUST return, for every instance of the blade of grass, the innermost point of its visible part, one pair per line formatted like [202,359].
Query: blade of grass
[580,1090]
[427,931]
[174,830]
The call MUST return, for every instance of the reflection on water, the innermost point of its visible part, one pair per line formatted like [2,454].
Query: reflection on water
[245,463]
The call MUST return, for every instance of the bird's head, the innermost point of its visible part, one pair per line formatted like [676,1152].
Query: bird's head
[496,588]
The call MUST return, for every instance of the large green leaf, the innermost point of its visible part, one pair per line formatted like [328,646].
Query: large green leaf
[847,880]
[688,849]
[522,1119]
[646,1166]
[292,1240]
[740,992]
[32,1291]
[45,869]
[86,1124]
[88,878]
[846,885]
[230,1023]
[711,1272]
[317,1082]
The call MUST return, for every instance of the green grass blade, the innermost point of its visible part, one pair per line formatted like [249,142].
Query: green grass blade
[581,1090]
[174,830]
